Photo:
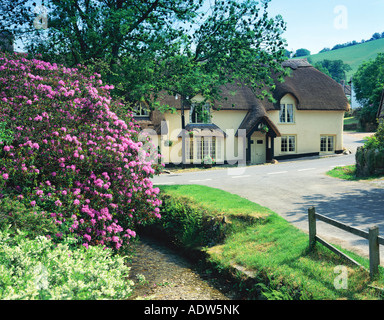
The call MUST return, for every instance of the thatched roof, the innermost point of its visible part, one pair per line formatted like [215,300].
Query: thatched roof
[256,116]
[312,89]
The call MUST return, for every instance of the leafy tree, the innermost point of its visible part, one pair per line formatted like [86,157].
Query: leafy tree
[368,84]
[146,47]
[325,50]
[376,36]
[288,53]
[302,53]
[336,69]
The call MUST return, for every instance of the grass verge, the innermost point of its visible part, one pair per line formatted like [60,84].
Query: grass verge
[349,173]
[274,252]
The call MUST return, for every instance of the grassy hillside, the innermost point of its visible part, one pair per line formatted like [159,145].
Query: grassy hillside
[354,55]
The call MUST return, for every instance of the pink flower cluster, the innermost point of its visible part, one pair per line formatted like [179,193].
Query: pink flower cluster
[71,155]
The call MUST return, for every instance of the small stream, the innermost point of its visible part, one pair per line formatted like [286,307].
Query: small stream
[169,276]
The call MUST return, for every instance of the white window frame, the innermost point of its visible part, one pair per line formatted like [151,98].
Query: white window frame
[194,118]
[287,113]
[141,110]
[197,148]
[286,144]
[329,145]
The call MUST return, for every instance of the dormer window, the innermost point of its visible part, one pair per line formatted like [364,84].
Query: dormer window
[200,113]
[140,110]
[286,113]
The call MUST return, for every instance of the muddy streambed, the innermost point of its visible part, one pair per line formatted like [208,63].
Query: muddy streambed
[169,276]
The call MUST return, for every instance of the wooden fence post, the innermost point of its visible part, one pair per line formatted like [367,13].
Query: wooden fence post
[374,252]
[312,227]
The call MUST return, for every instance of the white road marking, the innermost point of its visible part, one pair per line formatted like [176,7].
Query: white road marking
[278,172]
[200,180]
[300,170]
[239,177]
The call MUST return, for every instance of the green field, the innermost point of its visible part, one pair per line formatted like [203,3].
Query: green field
[354,55]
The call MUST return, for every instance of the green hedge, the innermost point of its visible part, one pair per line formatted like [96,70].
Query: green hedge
[370,157]
[369,162]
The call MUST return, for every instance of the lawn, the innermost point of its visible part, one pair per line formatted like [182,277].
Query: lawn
[350,120]
[218,200]
[349,173]
[277,252]
[346,173]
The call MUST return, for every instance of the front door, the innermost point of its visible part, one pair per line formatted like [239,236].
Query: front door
[258,148]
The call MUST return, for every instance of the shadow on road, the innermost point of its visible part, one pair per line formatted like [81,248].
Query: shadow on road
[360,208]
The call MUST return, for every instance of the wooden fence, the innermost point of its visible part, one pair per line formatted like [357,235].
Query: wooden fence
[372,236]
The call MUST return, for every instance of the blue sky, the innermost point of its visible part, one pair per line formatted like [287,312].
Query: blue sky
[315,25]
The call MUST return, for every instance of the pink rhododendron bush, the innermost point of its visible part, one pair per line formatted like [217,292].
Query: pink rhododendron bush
[70,155]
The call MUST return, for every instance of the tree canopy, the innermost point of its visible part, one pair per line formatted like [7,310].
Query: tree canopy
[368,84]
[146,47]
[302,52]
[336,69]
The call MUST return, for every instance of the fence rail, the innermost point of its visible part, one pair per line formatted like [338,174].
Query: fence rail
[372,236]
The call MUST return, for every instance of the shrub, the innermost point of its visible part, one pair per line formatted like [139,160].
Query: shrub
[14,215]
[189,224]
[70,154]
[370,157]
[38,269]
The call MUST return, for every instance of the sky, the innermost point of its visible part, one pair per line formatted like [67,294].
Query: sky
[314,24]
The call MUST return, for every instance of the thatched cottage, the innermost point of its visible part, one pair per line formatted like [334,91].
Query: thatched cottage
[306,119]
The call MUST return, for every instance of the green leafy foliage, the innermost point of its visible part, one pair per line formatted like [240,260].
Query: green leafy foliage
[190,224]
[15,216]
[370,157]
[37,269]
[6,135]
[368,84]
[147,47]
[336,69]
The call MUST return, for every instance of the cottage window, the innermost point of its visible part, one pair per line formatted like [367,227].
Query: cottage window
[198,148]
[189,148]
[140,109]
[200,113]
[288,144]
[286,113]
[327,144]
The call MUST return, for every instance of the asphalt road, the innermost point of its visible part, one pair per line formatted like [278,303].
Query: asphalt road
[289,188]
